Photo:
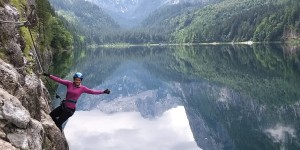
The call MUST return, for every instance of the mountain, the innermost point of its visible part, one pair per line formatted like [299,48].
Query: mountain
[182,21]
[87,19]
[129,13]
[161,21]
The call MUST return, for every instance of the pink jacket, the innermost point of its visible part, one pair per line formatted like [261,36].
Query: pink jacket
[73,92]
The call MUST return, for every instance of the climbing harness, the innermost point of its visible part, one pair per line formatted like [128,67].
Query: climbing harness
[28,24]
[64,107]
[70,100]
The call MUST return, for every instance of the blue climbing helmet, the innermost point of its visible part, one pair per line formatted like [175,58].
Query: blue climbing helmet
[78,75]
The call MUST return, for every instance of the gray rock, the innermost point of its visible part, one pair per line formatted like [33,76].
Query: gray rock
[32,101]
[56,140]
[1,113]
[16,55]
[6,146]
[13,111]
[18,139]
[8,77]
[2,124]
[44,105]
[2,134]
[12,44]
[35,133]
[28,132]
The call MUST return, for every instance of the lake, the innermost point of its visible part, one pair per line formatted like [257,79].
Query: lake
[188,97]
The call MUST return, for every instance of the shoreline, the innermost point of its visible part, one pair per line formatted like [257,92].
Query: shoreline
[127,45]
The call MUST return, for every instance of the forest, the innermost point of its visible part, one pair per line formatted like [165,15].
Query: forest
[219,21]
[240,20]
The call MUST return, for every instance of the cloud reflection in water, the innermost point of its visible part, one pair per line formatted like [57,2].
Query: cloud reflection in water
[95,130]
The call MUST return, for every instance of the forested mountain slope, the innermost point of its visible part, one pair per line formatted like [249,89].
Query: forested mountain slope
[205,21]
[130,13]
[239,20]
[87,19]
[227,21]
[159,18]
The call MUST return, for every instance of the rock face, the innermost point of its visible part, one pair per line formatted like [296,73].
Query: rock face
[24,119]
[24,100]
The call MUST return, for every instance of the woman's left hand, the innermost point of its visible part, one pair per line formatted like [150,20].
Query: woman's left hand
[107,91]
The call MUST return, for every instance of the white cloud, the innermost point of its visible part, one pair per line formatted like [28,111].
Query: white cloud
[280,132]
[95,130]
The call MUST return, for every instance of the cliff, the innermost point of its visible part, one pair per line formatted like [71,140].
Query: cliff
[24,100]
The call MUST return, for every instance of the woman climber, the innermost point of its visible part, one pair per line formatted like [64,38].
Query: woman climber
[68,106]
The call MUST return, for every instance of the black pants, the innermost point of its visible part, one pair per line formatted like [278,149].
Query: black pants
[60,114]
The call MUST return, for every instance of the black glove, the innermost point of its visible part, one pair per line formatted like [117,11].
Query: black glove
[107,91]
[46,74]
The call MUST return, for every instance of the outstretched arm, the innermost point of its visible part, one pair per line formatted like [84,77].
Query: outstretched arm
[57,79]
[90,91]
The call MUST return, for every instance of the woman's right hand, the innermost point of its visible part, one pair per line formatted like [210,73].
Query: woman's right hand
[46,74]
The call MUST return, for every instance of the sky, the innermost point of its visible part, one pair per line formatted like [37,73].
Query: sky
[95,130]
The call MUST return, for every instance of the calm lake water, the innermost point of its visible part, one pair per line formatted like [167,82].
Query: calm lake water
[187,98]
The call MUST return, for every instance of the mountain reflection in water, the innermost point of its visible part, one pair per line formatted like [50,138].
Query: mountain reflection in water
[235,96]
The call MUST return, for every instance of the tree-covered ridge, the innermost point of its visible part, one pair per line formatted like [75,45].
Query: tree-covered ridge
[156,20]
[159,20]
[87,19]
[51,29]
[239,20]
[220,21]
